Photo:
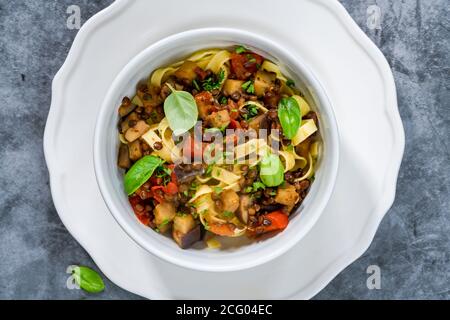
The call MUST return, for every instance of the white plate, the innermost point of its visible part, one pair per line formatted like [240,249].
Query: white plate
[357,79]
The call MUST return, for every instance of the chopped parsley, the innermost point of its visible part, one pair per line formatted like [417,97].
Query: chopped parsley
[228,214]
[209,169]
[290,83]
[164,173]
[223,100]
[249,86]
[213,82]
[257,185]
[218,190]
[193,186]
[252,112]
[196,86]
[165,221]
[250,58]
[240,49]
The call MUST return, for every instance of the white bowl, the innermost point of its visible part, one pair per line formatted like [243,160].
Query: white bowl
[110,177]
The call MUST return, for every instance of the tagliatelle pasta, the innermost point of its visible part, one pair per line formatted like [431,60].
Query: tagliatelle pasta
[224,174]
[307,128]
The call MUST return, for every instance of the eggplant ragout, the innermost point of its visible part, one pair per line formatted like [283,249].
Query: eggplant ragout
[248,191]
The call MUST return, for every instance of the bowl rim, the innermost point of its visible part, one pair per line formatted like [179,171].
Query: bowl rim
[307,75]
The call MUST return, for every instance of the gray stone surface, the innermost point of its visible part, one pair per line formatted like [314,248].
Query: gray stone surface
[412,245]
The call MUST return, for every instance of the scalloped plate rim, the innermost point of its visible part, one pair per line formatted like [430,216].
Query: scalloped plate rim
[366,235]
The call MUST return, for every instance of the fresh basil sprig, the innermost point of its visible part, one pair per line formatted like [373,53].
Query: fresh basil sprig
[290,116]
[181,111]
[271,170]
[140,172]
[88,279]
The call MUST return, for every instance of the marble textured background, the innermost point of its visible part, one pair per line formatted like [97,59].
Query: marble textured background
[412,245]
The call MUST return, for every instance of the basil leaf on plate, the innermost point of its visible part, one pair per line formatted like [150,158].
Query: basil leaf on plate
[88,279]
[140,172]
[181,111]
[271,170]
[290,116]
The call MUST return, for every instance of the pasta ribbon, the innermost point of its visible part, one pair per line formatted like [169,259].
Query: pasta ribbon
[223,175]
[306,129]
[169,152]
[272,67]
[218,60]
[304,106]
[289,160]
[314,149]
[201,55]
[159,75]
[254,145]
[310,169]
[202,190]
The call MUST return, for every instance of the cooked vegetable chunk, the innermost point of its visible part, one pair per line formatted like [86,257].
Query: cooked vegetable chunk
[205,104]
[135,151]
[186,71]
[287,196]
[164,214]
[232,86]
[219,119]
[245,203]
[185,230]
[124,158]
[263,81]
[137,131]
[230,200]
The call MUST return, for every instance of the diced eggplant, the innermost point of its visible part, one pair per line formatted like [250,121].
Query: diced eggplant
[219,119]
[126,109]
[135,150]
[186,172]
[230,200]
[205,104]
[186,72]
[232,86]
[125,124]
[164,214]
[183,223]
[137,131]
[124,158]
[263,81]
[287,195]
[259,122]
[150,98]
[185,240]
[245,203]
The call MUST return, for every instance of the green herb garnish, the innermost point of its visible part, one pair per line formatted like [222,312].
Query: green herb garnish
[228,214]
[87,279]
[195,83]
[290,116]
[290,83]
[181,111]
[248,86]
[223,100]
[140,172]
[240,49]
[211,84]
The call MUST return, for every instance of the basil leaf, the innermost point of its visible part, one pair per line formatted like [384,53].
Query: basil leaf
[181,111]
[290,116]
[271,170]
[88,279]
[140,172]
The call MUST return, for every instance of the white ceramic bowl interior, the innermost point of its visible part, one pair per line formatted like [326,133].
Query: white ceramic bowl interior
[110,177]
